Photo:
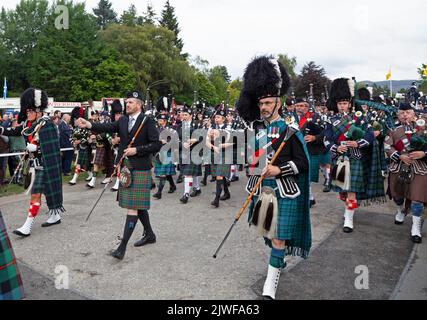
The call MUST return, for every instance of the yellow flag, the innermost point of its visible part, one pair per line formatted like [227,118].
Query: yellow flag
[388,75]
[425,72]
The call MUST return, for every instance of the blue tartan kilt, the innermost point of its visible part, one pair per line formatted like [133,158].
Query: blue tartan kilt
[221,170]
[357,180]
[164,169]
[315,162]
[293,221]
[191,170]
[137,195]
[38,186]
[11,287]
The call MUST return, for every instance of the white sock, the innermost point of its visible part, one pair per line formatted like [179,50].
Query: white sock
[311,194]
[188,183]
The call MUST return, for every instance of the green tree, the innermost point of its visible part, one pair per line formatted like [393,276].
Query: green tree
[315,74]
[20,30]
[219,78]
[423,85]
[151,53]
[206,90]
[74,64]
[130,17]
[169,21]
[104,14]
[234,88]
[289,63]
[149,16]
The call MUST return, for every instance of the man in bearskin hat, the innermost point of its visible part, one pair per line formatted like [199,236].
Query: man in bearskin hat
[11,287]
[311,126]
[406,147]
[164,171]
[356,172]
[43,154]
[280,207]
[134,193]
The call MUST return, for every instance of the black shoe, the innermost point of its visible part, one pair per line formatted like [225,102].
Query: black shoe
[213,179]
[327,188]
[398,222]
[118,254]
[153,186]
[195,193]
[204,181]
[347,230]
[215,203]
[114,189]
[417,239]
[72,183]
[226,196]
[234,179]
[184,198]
[19,233]
[179,180]
[312,203]
[145,240]
[47,224]
[89,186]
[157,195]
[172,189]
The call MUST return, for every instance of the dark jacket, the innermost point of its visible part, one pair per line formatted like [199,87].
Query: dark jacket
[146,143]
[65,135]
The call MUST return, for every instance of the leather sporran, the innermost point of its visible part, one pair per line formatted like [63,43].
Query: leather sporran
[265,213]
[125,177]
[405,175]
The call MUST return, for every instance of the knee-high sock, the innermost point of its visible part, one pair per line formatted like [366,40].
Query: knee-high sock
[170,179]
[161,184]
[144,217]
[33,210]
[232,171]
[327,174]
[277,258]
[224,182]
[311,193]
[196,183]
[219,184]
[417,208]
[188,184]
[127,232]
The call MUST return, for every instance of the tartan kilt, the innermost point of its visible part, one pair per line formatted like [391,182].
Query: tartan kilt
[164,169]
[11,287]
[137,195]
[221,170]
[316,160]
[191,170]
[38,186]
[83,157]
[357,180]
[99,157]
[293,220]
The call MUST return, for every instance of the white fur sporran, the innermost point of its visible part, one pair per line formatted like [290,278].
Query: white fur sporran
[265,213]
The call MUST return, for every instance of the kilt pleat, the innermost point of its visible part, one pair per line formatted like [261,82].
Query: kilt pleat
[11,287]
[99,156]
[221,170]
[164,169]
[191,170]
[83,157]
[137,195]
[38,186]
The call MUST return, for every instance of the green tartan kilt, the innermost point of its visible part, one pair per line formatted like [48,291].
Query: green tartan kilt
[292,224]
[221,170]
[315,162]
[357,180]
[38,186]
[164,169]
[137,195]
[191,170]
[11,287]
[83,158]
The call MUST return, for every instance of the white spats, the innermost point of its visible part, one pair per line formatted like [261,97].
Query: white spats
[54,218]
[92,182]
[400,216]
[188,184]
[90,176]
[271,283]
[116,185]
[416,226]
[106,180]
[348,219]
[25,230]
[74,180]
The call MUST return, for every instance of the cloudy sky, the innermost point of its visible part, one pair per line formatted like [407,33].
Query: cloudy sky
[362,38]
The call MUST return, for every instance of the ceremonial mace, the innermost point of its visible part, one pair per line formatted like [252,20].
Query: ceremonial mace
[120,162]
[289,133]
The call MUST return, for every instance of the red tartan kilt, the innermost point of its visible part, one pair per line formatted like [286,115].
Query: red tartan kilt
[99,156]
